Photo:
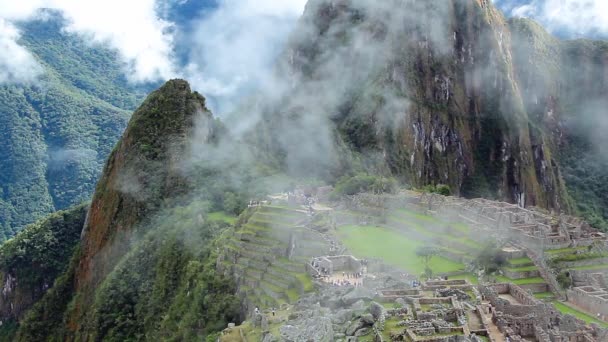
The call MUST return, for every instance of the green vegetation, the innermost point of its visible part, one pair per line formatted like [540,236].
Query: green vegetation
[577,257]
[521,269]
[348,186]
[39,253]
[467,276]
[440,189]
[591,267]
[519,261]
[565,250]
[524,281]
[221,216]
[490,259]
[394,248]
[175,294]
[36,257]
[56,134]
[566,309]
[544,295]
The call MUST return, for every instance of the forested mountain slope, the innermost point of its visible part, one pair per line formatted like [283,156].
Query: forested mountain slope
[56,133]
[430,92]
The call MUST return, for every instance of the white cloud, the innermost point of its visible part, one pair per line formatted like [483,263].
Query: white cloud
[571,17]
[17,65]
[234,47]
[144,41]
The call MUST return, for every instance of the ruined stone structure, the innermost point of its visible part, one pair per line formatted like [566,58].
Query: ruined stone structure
[531,227]
[591,298]
[333,264]
[518,315]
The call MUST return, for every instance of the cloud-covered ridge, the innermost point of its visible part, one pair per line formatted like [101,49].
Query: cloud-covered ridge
[17,65]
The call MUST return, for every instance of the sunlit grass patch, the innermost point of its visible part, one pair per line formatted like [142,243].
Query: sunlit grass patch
[393,247]
[221,216]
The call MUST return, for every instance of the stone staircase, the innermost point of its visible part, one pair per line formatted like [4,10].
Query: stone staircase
[544,273]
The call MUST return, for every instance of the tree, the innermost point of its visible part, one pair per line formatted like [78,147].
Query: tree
[427,253]
[490,259]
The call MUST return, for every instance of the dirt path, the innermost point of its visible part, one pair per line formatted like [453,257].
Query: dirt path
[493,330]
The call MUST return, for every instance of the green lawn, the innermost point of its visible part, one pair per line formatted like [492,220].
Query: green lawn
[565,309]
[524,281]
[522,269]
[221,216]
[394,248]
[544,295]
[564,250]
[591,267]
[520,261]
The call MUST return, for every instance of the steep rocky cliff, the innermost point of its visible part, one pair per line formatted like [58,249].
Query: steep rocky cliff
[30,262]
[146,245]
[436,92]
[142,172]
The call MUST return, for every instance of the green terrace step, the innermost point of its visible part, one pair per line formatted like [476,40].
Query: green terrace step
[264,249]
[272,290]
[600,267]
[277,281]
[571,250]
[278,272]
[274,217]
[522,269]
[255,255]
[263,241]
[523,281]
[253,273]
[290,266]
[282,210]
[520,262]
[260,265]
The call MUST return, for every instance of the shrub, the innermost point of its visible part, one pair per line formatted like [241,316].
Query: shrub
[440,189]
[348,186]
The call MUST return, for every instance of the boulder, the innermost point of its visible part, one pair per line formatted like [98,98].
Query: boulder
[368,320]
[342,316]
[268,337]
[401,302]
[358,293]
[376,310]
[362,332]
[353,327]
[318,329]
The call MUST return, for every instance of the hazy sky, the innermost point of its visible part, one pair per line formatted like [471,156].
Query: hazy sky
[223,47]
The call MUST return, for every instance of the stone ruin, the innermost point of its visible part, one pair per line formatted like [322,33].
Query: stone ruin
[328,265]
[520,317]
[531,227]
[591,298]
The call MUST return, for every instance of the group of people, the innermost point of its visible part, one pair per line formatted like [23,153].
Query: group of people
[345,282]
[352,275]
[257,311]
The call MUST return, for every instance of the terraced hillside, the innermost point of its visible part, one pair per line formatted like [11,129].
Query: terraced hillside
[268,253]
[523,272]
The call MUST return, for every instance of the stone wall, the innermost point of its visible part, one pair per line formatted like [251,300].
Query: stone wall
[521,274]
[591,299]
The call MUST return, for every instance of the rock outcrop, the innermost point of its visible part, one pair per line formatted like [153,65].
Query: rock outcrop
[432,92]
[143,172]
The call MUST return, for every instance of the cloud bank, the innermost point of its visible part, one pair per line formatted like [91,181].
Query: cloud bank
[233,48]
[231,44]
[133,28]
[17,65]
[568,18]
